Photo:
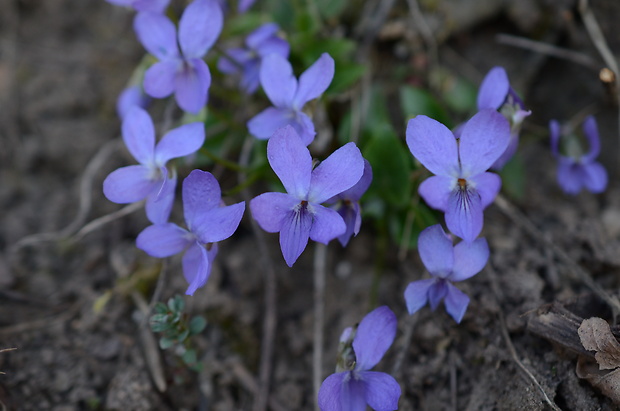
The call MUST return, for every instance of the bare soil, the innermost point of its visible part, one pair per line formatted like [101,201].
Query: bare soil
[62,64]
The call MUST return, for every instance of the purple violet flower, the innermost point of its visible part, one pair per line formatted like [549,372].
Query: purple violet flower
[578,169]
[182,72]
[130,97]
[496,93]
[461,187]
[354,386]
[244,5]
[348,206]
[150,179]
[298,214]
[207,223]
[289,96]
[446,264]
[157,6]
[247,61]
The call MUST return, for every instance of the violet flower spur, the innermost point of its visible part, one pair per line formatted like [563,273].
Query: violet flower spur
[289,96]
[446,264]
[495,92]
[130,97]
[247,61]
[182,72]
[461,188]
[578,169]
[150,179]
[348,206]
[207,223]
[354,386]
[298,214]
[158,6]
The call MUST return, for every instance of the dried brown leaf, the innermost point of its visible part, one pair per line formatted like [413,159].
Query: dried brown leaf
[595,335]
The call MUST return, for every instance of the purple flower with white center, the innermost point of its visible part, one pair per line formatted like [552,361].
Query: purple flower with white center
[348,206]
[150,179]
[354,387]
[496,93]
[207,223]
[446,264]
[130,97]
[180,71]
[247,61]
[289,96]
[157,6]
[298,214]
[579,169]
[461,187]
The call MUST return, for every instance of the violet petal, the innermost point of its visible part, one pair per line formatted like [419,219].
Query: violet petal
[314,81]
[180,142]
[278,81]
[218,223]
[464,214]
[192,86]
[269,209]
[201,193]
[493,89]
[294,234]
[416,294]
[157,34]
[375,334]
[139,135]
[436,251]
[163,240]
[128,184]
[469,259]
[382,391]
[327,224]
[199,27]
[433,145]
[337,173]
[291,161]
[483,140]
[436,191]
[456,303]
[159,79]
[265,123]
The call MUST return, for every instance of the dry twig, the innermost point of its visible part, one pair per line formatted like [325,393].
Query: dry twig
[270,319]
[548,49]
[85,200]
[597,37]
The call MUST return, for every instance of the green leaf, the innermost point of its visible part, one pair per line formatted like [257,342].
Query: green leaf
[160,308]
[183,335]
[410,223]
[189,357]
[331,8]
[346,75]
[176,304]
[160,327]
[415,101]
[392,165]
[241,24]
[513,178]
[159,318]
[165,343]
[197,325]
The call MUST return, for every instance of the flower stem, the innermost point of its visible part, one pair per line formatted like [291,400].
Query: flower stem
[320,259]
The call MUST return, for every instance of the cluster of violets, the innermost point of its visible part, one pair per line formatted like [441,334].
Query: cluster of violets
[321,202]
